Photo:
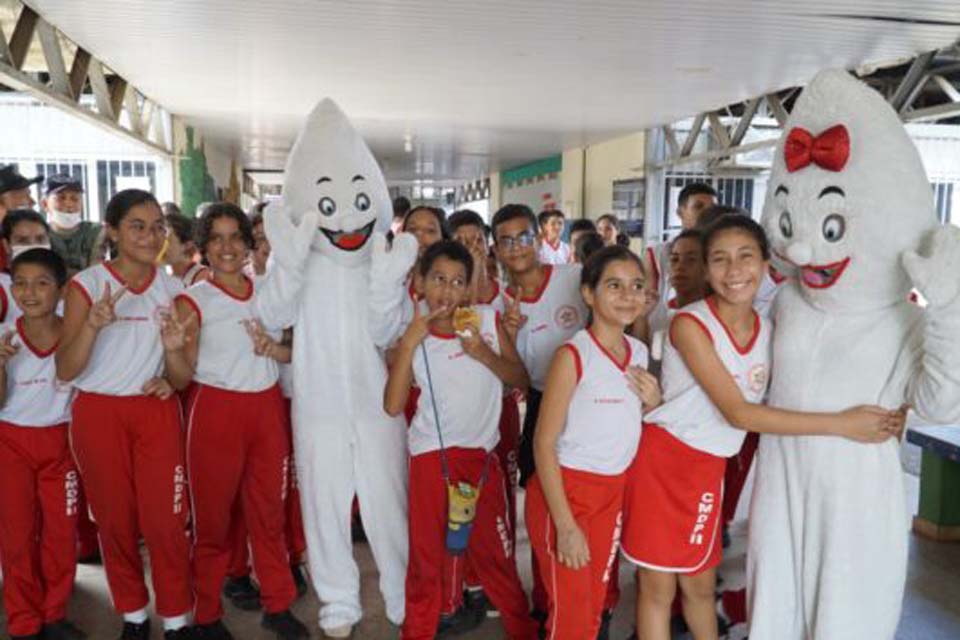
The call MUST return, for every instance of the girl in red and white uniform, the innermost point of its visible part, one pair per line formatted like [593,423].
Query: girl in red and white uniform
[39,475]
[715,372]
[452,438]
[586,438]
[238,447]
[126,431]
[180,253]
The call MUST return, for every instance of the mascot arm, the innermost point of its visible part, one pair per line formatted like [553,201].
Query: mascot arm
[934,391]
[278,300]
[388,274]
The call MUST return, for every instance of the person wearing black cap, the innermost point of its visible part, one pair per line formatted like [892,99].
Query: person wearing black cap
[15,189]
[79,242]
[14,194]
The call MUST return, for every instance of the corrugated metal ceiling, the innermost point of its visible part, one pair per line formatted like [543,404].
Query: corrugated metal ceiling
[479,85]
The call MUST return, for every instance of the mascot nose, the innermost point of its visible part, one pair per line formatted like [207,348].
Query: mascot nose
[799,253]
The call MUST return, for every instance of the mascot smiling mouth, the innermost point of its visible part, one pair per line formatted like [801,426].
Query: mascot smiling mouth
[823,276]
[350,240]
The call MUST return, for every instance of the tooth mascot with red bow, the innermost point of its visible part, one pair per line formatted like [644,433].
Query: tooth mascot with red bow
[849,206]
[334,197]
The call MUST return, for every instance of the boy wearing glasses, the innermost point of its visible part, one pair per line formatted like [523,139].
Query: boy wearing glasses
[542,309]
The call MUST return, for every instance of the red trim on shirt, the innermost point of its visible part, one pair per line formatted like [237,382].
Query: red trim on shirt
[243,298]
[672,304]
[626,343]
[4,304]
[653,264]
[745,349]
[83,291]
[442,336]
[411,290]
[553,246]
[119,278]
[687,314]
[201,274]
[548,268]
[576,359]
[191,303]
[37,352]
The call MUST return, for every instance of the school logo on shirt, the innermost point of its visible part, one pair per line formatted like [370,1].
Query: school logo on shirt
[567,317]
[757,378]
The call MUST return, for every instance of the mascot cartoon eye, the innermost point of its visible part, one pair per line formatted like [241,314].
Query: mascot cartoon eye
[786,225]
[834,227]
[327,206]
[362,203]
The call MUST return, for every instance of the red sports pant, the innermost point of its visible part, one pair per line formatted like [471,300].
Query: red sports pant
[238,451]
[38,525]
[296,540]
[489,546]
[506,451]
[735,476]
[576,597]
[129,450]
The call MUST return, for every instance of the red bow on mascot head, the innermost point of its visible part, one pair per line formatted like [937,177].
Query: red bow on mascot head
[830,150]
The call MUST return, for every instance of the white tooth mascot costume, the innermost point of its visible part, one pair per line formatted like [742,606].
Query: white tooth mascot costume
[849,205]
[334,196]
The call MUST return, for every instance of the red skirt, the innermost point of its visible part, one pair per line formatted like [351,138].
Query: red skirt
[672,506]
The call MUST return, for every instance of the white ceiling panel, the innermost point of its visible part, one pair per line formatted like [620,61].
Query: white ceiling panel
[478,85]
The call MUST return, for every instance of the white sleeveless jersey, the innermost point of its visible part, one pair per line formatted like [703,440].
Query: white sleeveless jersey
[687,411]
[193,275]
[225,358]
[554,314]
[128,352]
[602,429]
[555,254]
[35,398]
[468,395]
[9,311]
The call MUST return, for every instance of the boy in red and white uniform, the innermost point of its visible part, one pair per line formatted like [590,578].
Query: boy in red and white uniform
[22,229]
[180,252]
[238,447]
[586,438]
[126,430]
[451,440]
[553,250]
[541,310]
[38,495]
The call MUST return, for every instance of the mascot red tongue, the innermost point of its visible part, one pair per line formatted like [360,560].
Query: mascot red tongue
[345,444]
[849,204]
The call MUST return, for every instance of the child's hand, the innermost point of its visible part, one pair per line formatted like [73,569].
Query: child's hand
[173,330]
[473,344]
[572,548]
[420,325]
[263,344]
[513,320]
[103,313]
[872,424]
[158,387]
[7,348]
[645,385]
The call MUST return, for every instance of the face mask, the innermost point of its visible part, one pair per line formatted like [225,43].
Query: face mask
[65,220]
[17,249]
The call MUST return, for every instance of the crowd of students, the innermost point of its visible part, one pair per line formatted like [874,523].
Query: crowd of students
[136,380]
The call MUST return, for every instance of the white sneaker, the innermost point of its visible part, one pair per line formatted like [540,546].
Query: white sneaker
[343,631]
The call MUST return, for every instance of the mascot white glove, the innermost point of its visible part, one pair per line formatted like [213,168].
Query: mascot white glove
[937,274]
[289,243]
[389,269]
